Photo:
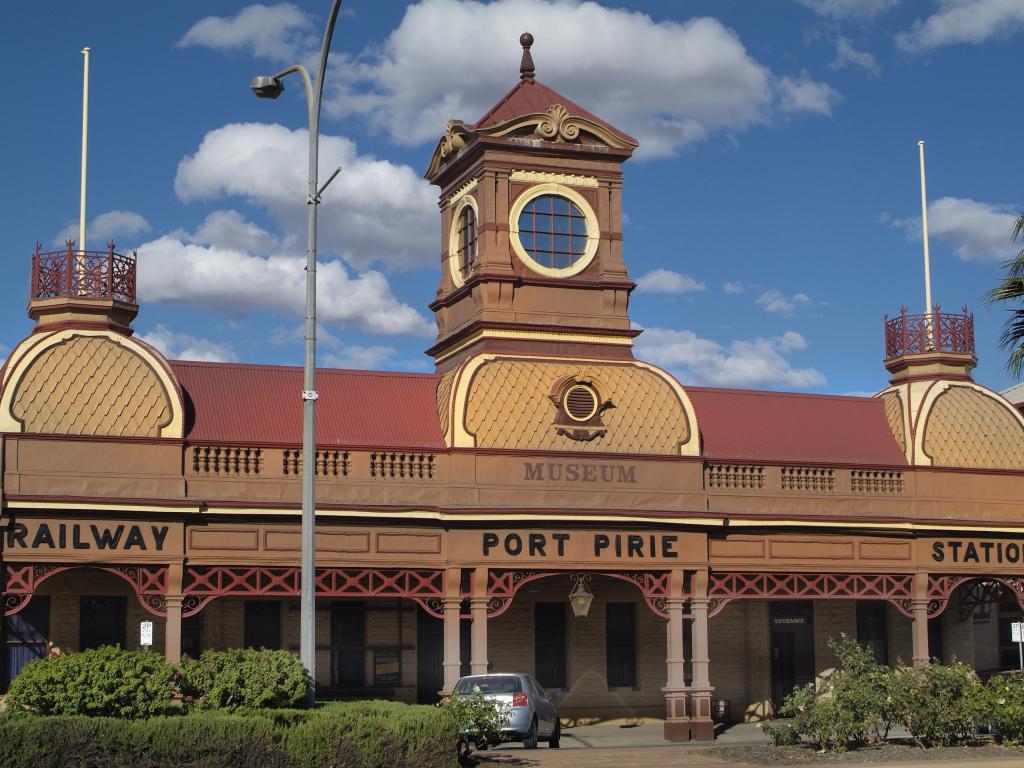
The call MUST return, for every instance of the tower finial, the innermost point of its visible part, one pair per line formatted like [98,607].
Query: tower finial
[526,69]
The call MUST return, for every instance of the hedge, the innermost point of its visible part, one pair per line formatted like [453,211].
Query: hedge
[351,735]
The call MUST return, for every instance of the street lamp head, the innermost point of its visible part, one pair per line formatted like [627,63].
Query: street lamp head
[266,87]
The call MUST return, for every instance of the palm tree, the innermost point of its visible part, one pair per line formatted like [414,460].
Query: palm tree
[1011,290]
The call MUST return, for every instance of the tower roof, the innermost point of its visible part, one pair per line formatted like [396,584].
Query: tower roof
[531,96]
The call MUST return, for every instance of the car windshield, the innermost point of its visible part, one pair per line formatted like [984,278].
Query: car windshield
[489,684]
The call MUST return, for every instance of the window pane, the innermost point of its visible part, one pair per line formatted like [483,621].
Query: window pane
[579,226]
[561,205]
[543,242]
[562,224]
[542,204]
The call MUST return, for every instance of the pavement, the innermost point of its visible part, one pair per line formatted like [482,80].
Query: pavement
[624,744]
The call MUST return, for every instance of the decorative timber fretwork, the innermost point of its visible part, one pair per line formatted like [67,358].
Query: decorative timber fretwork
[205,583]
[328,463]
[226,460]
[941,588]
[725,587]
[883,482]
[149,582]
[734,477]
[503,585]
[402,466]
[808,479]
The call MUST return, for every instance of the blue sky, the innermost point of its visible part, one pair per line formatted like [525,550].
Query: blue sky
[776,183]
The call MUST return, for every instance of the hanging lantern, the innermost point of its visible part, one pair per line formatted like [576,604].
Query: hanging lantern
[580,598]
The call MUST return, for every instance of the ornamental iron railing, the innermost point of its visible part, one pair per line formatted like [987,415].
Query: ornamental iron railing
[930,332]
[72,273]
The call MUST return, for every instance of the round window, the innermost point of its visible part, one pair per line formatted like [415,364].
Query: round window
[553,231]
[580,402]
[467,240]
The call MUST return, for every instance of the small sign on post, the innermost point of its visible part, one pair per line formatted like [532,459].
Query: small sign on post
[1017,636]
[146,633]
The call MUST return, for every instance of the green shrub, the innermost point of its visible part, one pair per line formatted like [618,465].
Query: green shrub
[162,742]
[244,678]
[782,735]
[851,704]
[374,734]
[479,720]
[1004,707]
[350,735]
[104,682]
[938,704]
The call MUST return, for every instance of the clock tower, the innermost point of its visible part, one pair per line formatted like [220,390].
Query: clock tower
[531,223]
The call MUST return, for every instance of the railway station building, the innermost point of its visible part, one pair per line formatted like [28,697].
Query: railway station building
[713,539]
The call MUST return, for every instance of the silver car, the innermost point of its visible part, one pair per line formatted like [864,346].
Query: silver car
[534,717]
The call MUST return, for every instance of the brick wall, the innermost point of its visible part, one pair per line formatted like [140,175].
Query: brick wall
[587,694]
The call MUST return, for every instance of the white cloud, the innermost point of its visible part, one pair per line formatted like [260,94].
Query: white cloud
[802,94]
[759,362]
[340,354]
[975,231]
[667,281]
[231,281]
[182,346]
[228,229]
[734,287]
[775,302]
[850,10]
[848,57]
[964,21]
[375,211]
[694,78]
[361,358]
[281,33]
[104,228]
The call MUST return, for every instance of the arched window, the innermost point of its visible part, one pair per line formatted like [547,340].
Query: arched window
[467,240]
[553,231]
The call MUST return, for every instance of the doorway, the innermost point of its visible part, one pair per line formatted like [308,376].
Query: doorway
[792,647]
[348,645]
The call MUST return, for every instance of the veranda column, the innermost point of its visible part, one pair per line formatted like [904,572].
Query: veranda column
[702,727]
[677,723]
[478,661]
[920,627]
[172,626]
[452,655]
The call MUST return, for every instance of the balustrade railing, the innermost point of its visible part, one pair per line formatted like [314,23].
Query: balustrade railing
[72,273]
[930,332]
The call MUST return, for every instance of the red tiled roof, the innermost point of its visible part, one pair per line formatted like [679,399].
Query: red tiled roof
[531,96]
[789,427]
[260,404]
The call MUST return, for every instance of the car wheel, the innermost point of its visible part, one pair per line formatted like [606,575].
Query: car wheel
[556,735]
[530,739]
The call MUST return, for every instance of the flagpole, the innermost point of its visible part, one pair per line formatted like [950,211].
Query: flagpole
[85,146]
[924,237]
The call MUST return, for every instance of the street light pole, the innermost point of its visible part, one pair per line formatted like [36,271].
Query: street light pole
[271,87]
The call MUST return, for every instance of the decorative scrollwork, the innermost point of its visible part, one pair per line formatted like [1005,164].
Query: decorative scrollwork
[432,605]
[558,125]
[14,603]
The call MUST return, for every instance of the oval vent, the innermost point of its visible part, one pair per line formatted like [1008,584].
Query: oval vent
[580,402]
